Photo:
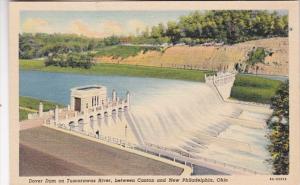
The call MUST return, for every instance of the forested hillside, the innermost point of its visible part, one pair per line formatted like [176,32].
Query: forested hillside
[206,31]
[42,44]
[219,26]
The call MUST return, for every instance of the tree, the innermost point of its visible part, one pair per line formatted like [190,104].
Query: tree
[112,40]
[278,125]
[173,31]
[228,26]
[257,55]
[72,59]
[145,33]
[158,31]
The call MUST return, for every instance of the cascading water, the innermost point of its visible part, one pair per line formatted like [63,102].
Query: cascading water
[184,116]
[194,119]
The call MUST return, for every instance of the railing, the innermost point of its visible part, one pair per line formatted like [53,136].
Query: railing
[166,153]
[221,77]
[36,114]
[249,103]
[194,159]
[33,115]
[198,160]
[77,115]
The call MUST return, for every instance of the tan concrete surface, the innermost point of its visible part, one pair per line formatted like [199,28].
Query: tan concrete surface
[89,155]
[27,124]
[47,165]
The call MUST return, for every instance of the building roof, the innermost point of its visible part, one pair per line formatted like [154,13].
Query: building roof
[88,89]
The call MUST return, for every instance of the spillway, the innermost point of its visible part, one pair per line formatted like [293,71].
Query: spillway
[180,115]
[194,119]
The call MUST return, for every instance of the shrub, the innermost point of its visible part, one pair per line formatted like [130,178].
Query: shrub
[82,60]
[257,55]
[279,131]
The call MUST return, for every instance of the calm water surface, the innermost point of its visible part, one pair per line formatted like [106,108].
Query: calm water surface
[56,86]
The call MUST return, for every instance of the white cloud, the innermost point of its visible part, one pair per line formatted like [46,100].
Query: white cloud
[35,25]
[99,30]
[111,28]
[81,28]
[136,26]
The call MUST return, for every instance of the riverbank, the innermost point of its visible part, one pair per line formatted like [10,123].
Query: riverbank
[120,69]
[246,87]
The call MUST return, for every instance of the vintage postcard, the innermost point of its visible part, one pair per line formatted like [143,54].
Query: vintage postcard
[154,92]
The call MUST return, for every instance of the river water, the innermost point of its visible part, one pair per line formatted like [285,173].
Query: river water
[182,115]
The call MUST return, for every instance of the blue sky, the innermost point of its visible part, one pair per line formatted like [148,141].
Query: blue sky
[94,23]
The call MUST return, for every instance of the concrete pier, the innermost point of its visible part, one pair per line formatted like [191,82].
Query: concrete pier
[222,82]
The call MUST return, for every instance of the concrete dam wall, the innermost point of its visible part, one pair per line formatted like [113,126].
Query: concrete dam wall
[186,117]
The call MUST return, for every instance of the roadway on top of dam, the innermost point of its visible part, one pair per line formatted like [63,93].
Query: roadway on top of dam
[94,158]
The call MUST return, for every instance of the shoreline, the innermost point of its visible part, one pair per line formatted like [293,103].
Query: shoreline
[250,88]
[106,69]
[106,75]
[95,71]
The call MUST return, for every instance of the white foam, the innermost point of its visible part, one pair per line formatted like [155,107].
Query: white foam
[193,118]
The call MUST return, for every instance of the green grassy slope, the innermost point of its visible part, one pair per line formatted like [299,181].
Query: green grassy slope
[119,69]
[33,103]
[23,114]
[254,89]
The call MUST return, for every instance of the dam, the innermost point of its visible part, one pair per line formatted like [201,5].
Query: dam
[195,120]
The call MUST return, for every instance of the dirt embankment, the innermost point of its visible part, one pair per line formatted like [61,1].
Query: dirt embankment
[214,57]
